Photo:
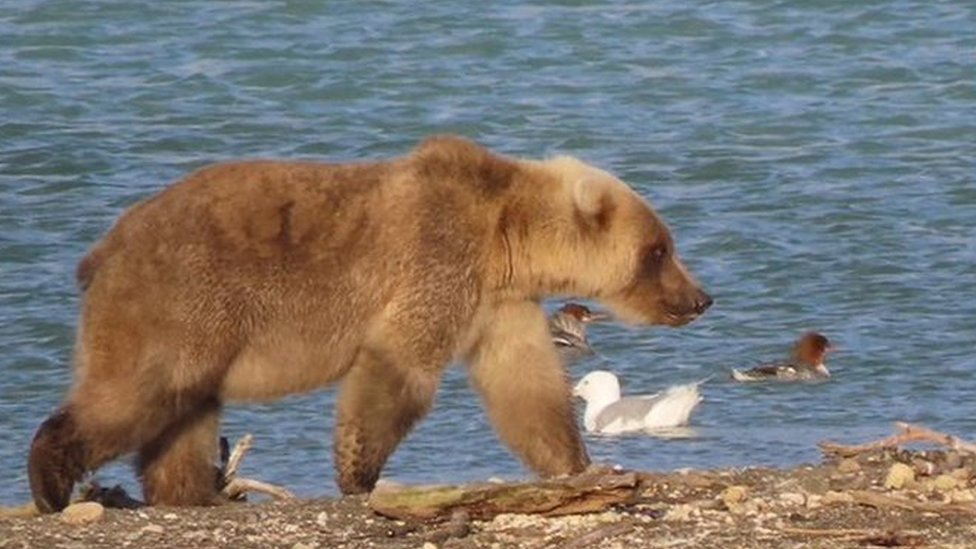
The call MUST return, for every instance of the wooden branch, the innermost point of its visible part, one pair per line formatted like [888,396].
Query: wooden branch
[233,463]
[923,434]
[907,433]
[593,538]
[830,532]
[881,501]
[234,488]
[237,487]
[586,493]
[885,538]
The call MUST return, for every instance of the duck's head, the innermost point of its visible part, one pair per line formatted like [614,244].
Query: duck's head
[812,349]
[583,313]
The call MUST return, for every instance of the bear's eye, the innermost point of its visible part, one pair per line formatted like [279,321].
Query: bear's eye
[653,256]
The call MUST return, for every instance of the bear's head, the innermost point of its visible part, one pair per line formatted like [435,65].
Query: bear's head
[604,241]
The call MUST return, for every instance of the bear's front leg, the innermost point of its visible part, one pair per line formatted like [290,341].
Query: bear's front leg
[380,401]
[523,383]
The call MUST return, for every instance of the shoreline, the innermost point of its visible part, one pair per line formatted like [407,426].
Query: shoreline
[857,501]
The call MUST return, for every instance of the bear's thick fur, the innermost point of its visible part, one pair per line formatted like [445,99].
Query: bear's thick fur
[255,280]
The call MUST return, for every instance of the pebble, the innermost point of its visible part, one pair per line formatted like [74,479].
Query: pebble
[962,496]
[848,465]
[793,498]
[945,483]
[460,524]
[923,468]
[153,529]
[322,519]
[85,512]
[734,494]
[747,508]
[681,512]
[814,501]
[837,497]
[962,474]
[899,476]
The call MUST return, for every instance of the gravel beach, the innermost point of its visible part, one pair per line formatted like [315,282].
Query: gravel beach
[886,498]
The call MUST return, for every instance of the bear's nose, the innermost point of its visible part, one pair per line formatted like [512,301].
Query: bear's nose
[703,302]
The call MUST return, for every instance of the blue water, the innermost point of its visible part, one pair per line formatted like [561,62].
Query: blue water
[815,161]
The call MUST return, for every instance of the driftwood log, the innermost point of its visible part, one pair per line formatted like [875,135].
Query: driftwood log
[907,433]
[592,491]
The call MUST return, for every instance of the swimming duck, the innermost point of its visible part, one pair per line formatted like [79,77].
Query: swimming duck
[568,328]
[806,362]
[608,413]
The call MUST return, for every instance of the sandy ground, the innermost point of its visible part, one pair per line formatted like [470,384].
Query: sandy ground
[888,498]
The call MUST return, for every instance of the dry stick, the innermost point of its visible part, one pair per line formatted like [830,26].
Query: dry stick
[239,486]
[908,433]
[840,532]
[922,433]
[237,456]
[887,538]
[235,487]
[593,538]
[875,499]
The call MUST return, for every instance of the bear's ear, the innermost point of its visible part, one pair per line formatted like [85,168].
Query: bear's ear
[593,199]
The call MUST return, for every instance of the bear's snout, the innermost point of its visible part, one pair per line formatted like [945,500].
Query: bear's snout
[694,304]
[683,298]
[702,302]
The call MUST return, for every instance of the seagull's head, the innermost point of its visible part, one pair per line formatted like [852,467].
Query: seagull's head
[598,385]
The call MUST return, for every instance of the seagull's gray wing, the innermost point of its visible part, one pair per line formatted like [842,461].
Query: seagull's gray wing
[627,409]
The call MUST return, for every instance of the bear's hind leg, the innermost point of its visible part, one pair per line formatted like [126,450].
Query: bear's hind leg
[100,422]
[59,457]
[378,405]
[518,373]
[177,467]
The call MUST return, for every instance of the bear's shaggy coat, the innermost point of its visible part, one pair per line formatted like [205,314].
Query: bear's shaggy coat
[253,280]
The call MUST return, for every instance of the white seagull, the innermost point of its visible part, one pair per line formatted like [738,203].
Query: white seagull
[609,413]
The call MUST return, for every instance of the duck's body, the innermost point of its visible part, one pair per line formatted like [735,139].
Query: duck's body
[609,413]
[805,364]
[568,328]
[782,372]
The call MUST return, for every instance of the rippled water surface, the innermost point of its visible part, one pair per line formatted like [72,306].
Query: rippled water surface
[814,159]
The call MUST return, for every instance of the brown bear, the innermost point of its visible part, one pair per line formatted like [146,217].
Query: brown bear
[249,281]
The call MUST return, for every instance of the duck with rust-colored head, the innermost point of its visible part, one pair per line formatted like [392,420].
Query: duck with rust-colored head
[568,328]
[807,362]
